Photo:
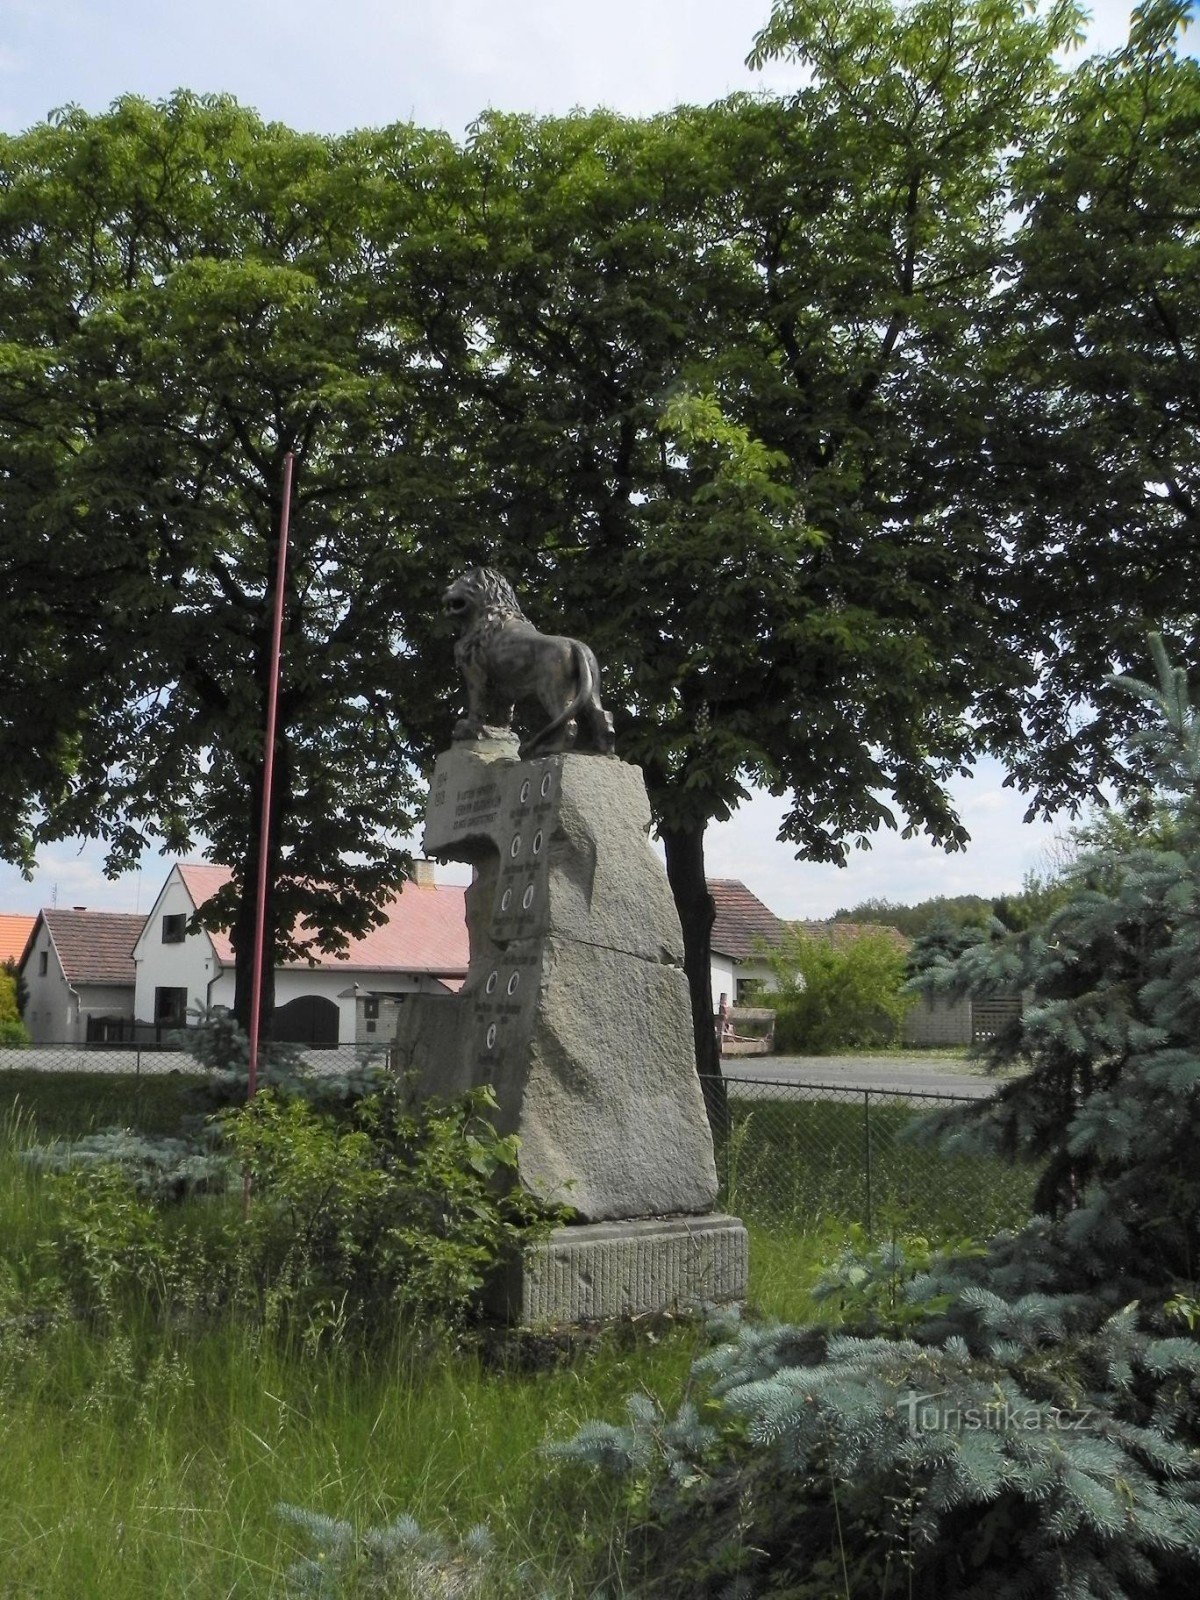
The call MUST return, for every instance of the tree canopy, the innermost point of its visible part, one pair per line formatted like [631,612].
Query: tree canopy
[191,294]
[738,394]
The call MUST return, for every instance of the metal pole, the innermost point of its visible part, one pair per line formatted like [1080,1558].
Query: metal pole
[260,910]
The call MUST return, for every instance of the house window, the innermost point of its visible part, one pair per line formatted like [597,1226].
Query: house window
[174,928]
[43,963]
[371,1008]
[170,1007]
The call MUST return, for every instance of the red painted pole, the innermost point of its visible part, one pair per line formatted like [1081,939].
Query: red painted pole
[260,909]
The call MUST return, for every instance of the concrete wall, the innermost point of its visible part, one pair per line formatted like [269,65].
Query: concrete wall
[104,1000]
[753,972]
[933,1022]
[726,972]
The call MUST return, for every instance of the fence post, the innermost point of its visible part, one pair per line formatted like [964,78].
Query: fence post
[867,1160]
[137,1063]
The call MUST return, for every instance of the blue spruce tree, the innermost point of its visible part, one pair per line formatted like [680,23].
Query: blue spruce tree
[1035,1435]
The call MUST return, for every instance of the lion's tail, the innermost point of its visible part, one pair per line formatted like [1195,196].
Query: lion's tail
[587,688]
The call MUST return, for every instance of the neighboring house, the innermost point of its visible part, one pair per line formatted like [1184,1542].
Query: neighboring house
[330,1000]
[78,970]
[743,930]
[14,935]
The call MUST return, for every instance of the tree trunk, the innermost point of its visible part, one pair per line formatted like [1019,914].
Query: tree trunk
[685,873]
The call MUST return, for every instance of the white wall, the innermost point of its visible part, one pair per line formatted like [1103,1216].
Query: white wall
[291,983]
[726,971]
[104,1000]
[721,969]
[191,965]
[52,1011]
[758,971]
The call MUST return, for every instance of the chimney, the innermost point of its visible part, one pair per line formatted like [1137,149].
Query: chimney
[423,872]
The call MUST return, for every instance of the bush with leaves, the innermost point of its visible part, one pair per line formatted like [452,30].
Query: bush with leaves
[837,997]
[1032,1431]
[393,1205]
[13,1032]
[361,1213]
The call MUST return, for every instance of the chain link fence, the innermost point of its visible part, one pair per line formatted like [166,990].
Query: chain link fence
[795,1155]
[792,1156]
[147,1057]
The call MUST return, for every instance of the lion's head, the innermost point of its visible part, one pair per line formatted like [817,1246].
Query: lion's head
[481,593]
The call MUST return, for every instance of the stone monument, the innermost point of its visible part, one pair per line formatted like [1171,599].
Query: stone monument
[575,1006]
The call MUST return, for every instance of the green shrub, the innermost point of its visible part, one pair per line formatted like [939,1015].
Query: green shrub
[393,1206]
[108,1242]
[13,1034]
[832,998]
[358,1214]
[10,1010]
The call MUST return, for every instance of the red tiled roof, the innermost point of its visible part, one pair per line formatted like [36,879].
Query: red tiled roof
[202,881]
[95,946]
[426,930]
[744,925]
[14,932]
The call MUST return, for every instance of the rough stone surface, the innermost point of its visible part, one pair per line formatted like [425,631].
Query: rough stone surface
[575,1007]
[592,1273]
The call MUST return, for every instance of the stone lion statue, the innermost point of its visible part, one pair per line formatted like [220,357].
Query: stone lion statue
[507,663]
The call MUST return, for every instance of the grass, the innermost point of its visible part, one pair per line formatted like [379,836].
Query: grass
[58,1105]
[144,1466]
[796,1165]
[148,1460]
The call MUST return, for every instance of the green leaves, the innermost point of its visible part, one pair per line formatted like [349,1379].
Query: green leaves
[393,1208]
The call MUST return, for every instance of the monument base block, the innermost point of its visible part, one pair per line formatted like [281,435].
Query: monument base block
[598,1271]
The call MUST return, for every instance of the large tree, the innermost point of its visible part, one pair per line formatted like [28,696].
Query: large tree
[736,367]
[190,295]
[1094,446]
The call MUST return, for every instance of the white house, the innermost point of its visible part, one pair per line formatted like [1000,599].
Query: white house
[78,969]
[743,931]
[344,999]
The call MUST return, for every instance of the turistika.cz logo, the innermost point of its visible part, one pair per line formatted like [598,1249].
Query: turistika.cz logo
[930,1413]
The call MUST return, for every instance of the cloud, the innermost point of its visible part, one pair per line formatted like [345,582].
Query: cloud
[1003,849]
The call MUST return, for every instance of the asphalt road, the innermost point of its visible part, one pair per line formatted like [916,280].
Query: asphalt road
[910,1074]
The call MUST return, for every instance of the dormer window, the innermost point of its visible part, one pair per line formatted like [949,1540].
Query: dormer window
[174,928]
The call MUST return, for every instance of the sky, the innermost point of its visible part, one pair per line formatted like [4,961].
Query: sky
[440,63]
